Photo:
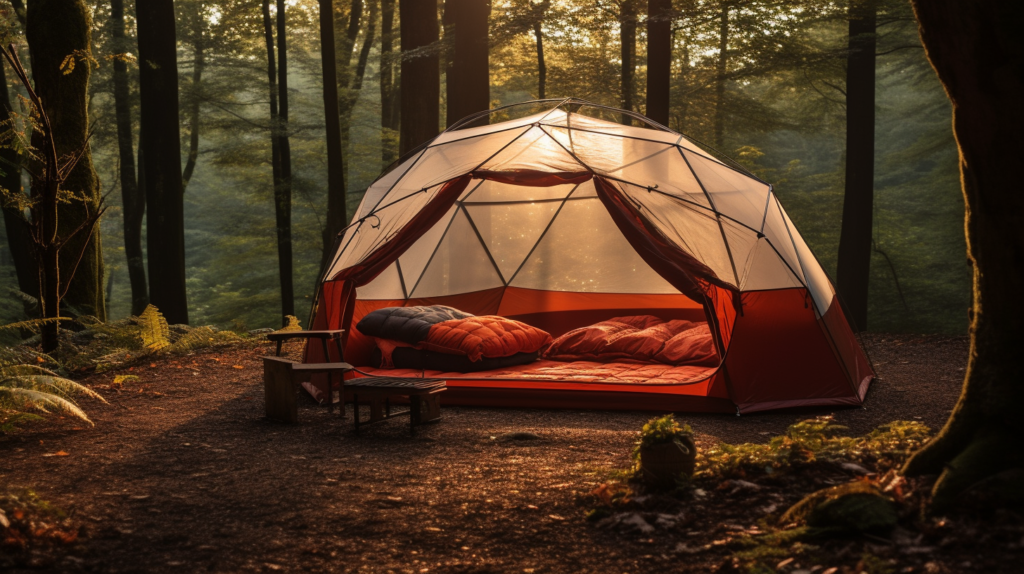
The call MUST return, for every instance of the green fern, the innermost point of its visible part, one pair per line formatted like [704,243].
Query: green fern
[155,331]
[25,387]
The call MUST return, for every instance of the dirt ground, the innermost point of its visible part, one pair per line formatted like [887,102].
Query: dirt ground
[182,473]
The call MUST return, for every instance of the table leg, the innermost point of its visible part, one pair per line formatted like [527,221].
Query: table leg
[355,411]
[279,348]
[330,382]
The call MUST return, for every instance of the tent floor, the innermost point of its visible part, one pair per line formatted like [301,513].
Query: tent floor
[579,385]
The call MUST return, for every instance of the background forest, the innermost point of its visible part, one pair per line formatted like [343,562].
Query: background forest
[762,81]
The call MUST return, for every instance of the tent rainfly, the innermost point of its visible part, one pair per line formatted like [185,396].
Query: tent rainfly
[562,213]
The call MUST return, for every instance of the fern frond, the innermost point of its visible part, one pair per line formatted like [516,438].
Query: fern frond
[32,325]
[155,331]
[41,401]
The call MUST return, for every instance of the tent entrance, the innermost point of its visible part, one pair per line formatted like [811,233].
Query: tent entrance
[551,257]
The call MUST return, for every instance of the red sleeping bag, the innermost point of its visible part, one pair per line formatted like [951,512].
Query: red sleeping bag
[640,338]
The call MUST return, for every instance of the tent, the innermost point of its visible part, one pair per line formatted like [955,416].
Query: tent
[561,213]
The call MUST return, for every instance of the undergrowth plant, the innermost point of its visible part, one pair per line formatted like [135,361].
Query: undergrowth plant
[818,439]
[27,389]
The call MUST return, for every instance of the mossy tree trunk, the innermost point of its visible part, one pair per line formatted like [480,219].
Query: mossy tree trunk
[55,30]
[978,53]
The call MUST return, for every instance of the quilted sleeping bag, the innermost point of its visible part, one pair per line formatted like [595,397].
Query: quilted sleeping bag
[447,330]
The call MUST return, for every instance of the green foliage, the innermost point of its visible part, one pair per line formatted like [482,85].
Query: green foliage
[26,387]
[817,439]
[660,430]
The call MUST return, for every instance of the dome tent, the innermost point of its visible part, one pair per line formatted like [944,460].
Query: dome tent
[559,216]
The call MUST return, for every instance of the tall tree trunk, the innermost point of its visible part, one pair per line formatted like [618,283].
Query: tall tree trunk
[721,69]
[659,59]
[627,44]
[978,54]
[421,78]
[364,54]
[65,97]
[388,107]
[132,200]
[195,94]
[160,150]
[853,268]
[337,215]
[346,78]
[468,85]
[542,67]
[18,238]
[281,151]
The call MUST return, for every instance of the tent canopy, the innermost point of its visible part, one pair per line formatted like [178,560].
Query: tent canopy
[558,210]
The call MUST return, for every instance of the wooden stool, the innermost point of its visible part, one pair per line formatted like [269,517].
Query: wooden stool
[282,380]
[424,399]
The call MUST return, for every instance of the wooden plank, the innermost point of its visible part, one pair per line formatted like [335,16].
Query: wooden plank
[324,367]
[279,391]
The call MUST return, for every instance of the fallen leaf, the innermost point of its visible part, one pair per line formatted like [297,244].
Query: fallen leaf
[152,365]
[237,367]
[58,453]
[556,517]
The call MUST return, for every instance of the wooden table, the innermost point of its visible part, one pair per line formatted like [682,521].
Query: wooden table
[333,335]
[282,379]
[424,403]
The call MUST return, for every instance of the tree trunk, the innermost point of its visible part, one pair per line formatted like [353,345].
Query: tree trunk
[364,54]
[978,54]
[853,268]
[347,81]
[281,152]
[659,59]
[627,44]
[421,77]
[542,67]
[198,63]
[133,202]
[388,107]
[160,148]
[55,29]
[721,68]
[337,216]
[468,84]
[18,237]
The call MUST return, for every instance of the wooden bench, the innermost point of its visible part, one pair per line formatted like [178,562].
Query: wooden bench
[423,394]
[282,379]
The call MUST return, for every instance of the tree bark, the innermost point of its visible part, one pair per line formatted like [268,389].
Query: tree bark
[55,29]
[198,63]
[468,82]
[280,151]
[421,78]
[18,237]
[978,54]
[542,67]
[627,45]
[853,268]
[388,107]
[160,148]
[337,215]
[132,200]
[659,59]
[721,69]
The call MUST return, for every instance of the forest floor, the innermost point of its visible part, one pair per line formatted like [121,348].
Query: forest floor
[182,473]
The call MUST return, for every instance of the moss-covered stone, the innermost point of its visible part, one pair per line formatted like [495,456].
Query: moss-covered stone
[853,507]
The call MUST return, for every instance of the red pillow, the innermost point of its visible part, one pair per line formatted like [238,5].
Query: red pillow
[640,338]
[486,336]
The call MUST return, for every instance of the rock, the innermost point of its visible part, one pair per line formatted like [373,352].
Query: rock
[853,507]
[258,332]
